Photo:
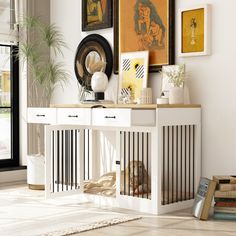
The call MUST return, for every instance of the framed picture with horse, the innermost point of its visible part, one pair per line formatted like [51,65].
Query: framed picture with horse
[148,25]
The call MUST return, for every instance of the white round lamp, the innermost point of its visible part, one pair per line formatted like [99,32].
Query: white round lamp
[99,83]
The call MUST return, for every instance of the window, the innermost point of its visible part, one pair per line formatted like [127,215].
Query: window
[9,107]
[9,87]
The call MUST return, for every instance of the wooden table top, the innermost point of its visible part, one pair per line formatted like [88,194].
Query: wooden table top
[134,106]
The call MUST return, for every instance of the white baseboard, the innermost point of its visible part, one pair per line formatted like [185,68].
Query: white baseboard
[13,176]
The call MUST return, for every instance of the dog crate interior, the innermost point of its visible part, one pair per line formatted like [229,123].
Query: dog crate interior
[178,163]
[135,164]
[99,165]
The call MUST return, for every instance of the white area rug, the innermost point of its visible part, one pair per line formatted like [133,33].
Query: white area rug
[24,212]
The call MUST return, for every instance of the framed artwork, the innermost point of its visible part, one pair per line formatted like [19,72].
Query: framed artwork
[148,25]
[96,14]
[195,34]
[133,72]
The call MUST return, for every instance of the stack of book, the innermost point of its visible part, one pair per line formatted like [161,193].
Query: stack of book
[225,198]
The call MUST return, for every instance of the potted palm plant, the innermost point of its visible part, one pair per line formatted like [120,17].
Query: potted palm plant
[36,52]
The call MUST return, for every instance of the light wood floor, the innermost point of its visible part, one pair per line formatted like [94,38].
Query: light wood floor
[179,223]
[168,225]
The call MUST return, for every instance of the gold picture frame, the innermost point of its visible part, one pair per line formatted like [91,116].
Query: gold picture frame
[195,31]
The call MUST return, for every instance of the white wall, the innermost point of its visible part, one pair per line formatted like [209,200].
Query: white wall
[212,82]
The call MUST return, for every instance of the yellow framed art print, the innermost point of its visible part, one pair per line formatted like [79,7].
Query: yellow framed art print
[133,74]
[195,35]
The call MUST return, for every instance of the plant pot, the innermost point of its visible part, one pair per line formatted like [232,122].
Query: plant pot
[176,95]
[36,172]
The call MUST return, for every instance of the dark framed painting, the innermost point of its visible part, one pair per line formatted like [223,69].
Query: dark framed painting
[147,25]
[96,14]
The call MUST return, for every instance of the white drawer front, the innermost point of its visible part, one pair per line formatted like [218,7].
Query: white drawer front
[74,116]
[118,117]
[111,117]
[142,117]
[41,115]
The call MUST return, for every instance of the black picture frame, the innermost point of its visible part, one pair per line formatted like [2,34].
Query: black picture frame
[92,43]
[171,38]
[116,36]
[106,22]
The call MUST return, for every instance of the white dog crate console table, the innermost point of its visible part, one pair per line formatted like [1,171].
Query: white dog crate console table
[157,154]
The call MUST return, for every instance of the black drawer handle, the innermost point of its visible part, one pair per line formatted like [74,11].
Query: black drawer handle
[110,117]
[70,116]
[38,115]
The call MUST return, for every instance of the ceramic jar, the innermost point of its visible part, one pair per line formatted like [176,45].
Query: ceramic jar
[176,95]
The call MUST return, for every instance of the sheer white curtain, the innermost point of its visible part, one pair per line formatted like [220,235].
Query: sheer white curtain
[9,15]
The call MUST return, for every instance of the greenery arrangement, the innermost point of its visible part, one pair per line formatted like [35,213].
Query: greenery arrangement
[38,44]
[42,40]
[176,76]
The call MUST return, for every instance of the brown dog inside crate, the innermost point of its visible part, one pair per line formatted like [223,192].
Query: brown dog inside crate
[137,180]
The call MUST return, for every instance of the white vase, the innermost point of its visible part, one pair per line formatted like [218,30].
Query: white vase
[176,95]
[99,83]
[36,171]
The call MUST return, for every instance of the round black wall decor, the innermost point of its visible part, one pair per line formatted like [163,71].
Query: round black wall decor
[93,48]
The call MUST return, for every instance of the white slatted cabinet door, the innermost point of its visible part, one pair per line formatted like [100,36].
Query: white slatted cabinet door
[64,160]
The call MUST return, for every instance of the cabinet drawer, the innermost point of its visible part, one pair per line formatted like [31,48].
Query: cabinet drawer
[111,117]
[41,115]
[123,117]
[74,116]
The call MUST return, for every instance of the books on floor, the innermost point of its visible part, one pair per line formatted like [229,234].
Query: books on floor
[224,216]
[225,198]
[203,198]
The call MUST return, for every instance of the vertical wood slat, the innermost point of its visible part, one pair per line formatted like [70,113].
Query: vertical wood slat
[193,190]
[168,163]
[58,159]
[133,159]
[84,156]
[147,164]
[62,159]
[76,155]
[163,166]
[138,160]
[128,165]
[172,175]
[181,165]
[142,164]
[185,162]
[88,155]
[177,162]
[189,154]
[53,161]
[124,163]
[71,159]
